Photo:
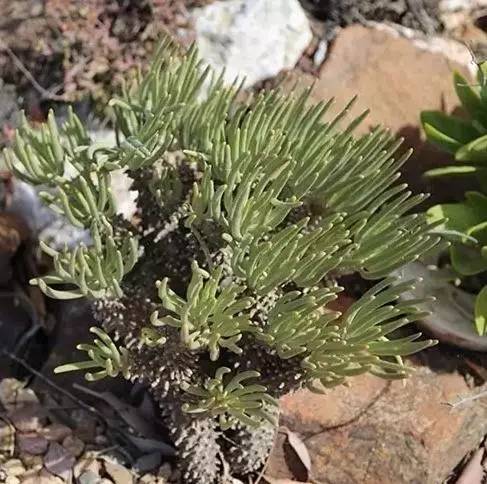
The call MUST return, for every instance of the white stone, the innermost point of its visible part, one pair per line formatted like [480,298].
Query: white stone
[255,39]
[53,228]
[449,48]
[125,199]
[455,5]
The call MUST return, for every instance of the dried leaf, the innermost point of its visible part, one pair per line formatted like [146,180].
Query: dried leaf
[297,456]
[130,415]
[152,445]
[148,462]
[480,371]
[118,473]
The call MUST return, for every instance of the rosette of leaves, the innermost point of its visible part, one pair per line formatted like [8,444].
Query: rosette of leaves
[465,223]
[217,294]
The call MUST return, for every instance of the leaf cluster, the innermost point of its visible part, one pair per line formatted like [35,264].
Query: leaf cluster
[464,223]
[292,197]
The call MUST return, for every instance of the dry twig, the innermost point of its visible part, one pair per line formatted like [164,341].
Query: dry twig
[46,94]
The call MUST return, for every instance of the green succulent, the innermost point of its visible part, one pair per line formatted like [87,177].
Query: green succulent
[247,213]
[232,401]
[465,223]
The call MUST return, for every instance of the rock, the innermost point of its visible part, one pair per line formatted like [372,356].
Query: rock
[13,467]
[41,477]
[396,80]
[125,198]
[58,233]
[32,444]
[165,471]
[41,220]
[73,445]
[26,204]
[29,418]
[420,15]
[229,35]
[89,477]
[120,181]
[59,461]
[54,229]
[380,432]
[33,463]
[118,473]
[7,439]
[13,394]
[456,5]
[87,463]
[448,48]
[56,432]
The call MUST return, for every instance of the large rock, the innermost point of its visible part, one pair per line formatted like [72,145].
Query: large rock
[377,432]
[396,78]
[252,38]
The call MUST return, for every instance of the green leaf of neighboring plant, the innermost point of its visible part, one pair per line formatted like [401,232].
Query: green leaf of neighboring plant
[455,236]
[479,232]
[475,151]
[454,131]
[457,216]
[467,260]
[441,139]
[477,200]
[468,95]
[452,170]
[481,311]
[482,80]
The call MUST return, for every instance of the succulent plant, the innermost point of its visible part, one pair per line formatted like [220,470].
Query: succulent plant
[217,293]
[465,223]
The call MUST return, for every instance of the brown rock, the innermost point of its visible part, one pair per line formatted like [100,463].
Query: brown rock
[56,432]
[396,80]
[32,444]
[73,445]
[306,408]
[378,432]
[29,418]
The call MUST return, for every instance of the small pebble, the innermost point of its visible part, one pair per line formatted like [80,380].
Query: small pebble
[73,445]
[56,432]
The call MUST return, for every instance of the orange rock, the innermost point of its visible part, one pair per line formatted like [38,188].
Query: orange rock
[396,80]
[377,432]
